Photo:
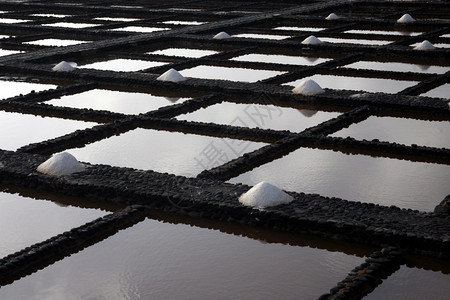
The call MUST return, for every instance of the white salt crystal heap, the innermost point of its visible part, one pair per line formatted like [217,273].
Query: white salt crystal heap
[406,18]
[221,35]
[308,87]
[64,66]
[171,75]
[311,40]
[332,16]
[60,164]
[425,45]
[264,195]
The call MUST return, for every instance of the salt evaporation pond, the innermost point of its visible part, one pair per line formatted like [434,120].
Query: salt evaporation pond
[398,67]
[70,25]
[114,101]
[442,91]
[17,130]
[156,260]
[50,15]
[116,19]
[359,83]
[14,88]
[123,65]
[400,130]
[413,284]
[354,41]
[257,115]
[140,29]
[261,36]
[184,22]
[184,52]
[11,21]
[26,221]
[368,179]
[232,74]
[4,52]
[282,59]
[172,152]
[55,42]
[386,32]
[295,28]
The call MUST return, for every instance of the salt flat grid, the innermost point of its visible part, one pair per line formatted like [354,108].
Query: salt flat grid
[101,41]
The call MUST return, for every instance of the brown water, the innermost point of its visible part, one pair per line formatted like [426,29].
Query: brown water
[26,221]
[17,130]
[172,152]
[232,74]
[155,260]
[114,101]
[123,65]
[368,179]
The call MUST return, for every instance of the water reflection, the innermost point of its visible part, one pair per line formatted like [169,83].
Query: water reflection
[355,177]
[55,42]
[139,29]
[354,41]
[184,52]
[115,101]
[442,91]
[70,25]
[155,260]
[233,74]
[261,36]
[8,52]
[14,88]
[281,59]
[311,29]
[123,65]
[386,32]
[397,67]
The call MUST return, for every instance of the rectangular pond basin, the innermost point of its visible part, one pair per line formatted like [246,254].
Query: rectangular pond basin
[123,65]
[361,178]
[282,59]
[156,260]
[308,29]
[261,36]
[55,42]
[14,88]
[183,52]
[4,52]
[414,284]
[162,151]
[50,15]
[400,130]
[442,91]
[26,221]
[397,67]
[70,25]
[386,32]
[354,41]
[262,116]
[373,85]
[17,130]
[174,22]
[116,19]
[115,101]
[232,74]
[141,29]
[11,21]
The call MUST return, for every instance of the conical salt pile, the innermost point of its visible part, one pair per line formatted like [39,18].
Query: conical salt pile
[406,18]
[171,75]
[60,164]
[425,45]
[308,87]
[332,16]
[263,195]
[221,35]
[64,66]
[311,40]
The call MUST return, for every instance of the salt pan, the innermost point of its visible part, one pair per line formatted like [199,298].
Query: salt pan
[332,16]
[65,66]
[263,195]
[221,35]
[425,45]
[171,75]
[308,87]
[60,164]
[406,18]
[311,40]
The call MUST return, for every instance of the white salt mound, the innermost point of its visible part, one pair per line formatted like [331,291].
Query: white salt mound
[64,66]
[406,18]
[308,87]
[332,16]
[264,195]
[60,164]
[425,45]
[311,40]
[221,35]
[171,75]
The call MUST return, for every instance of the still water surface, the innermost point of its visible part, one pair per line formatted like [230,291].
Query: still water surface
[232,74]
[123,65]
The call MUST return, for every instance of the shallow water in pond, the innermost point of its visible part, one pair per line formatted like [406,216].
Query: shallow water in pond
[233,74]
[358,83]
[413,284]
[442,91]
[50,15]
[312,29]
[172,152]
[11,21]
[17,130]
[386,32]
[8,52]
[354,41]
[183,52]
[140,29]
[184,22]
[403,131]
[55,42]
[156,260]
[123,65]
[368,179]
[281,59]
[14,88]
[120,102]
[261,36]
[26,221]
[397,67]
[70,25]
[116,19]
[262,116]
